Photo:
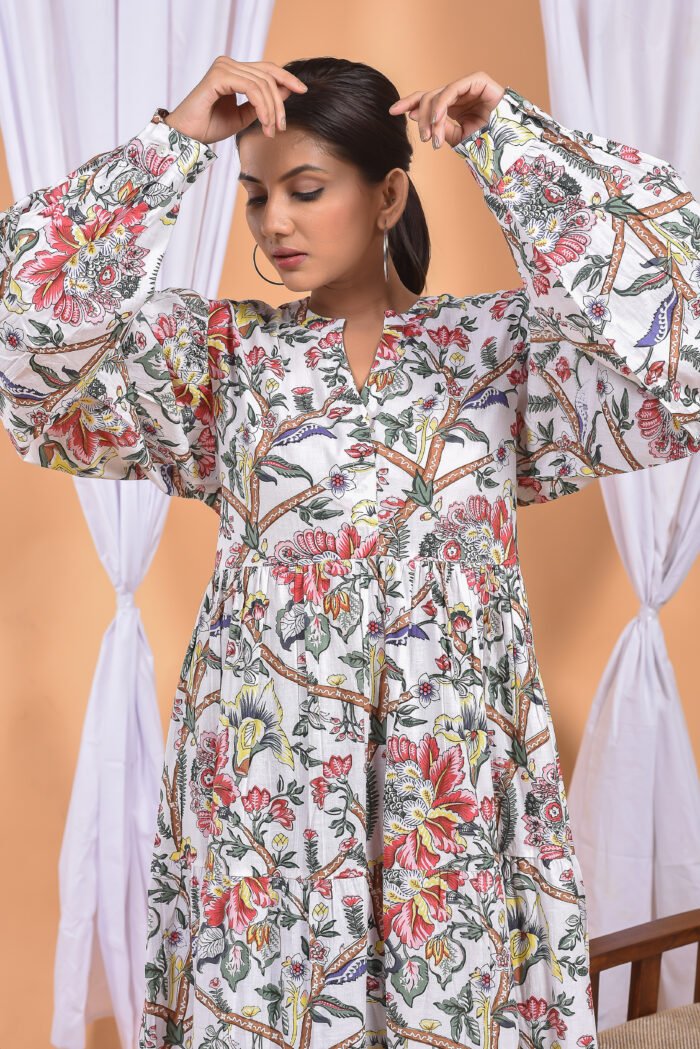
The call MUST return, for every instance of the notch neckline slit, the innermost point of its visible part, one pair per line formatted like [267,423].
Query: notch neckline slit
[423,307]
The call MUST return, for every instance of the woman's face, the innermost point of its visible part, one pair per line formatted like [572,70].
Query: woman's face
[301,197]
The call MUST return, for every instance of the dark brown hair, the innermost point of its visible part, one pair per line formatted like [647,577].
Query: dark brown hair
[347,105]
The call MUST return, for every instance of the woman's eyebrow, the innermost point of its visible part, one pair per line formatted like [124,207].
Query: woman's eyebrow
[289,174]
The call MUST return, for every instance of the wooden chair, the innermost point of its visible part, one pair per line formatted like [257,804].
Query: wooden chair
[643,946]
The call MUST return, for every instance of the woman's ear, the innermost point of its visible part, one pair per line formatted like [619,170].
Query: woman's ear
[394,194]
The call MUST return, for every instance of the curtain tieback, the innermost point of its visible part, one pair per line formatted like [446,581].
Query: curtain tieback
[125,599]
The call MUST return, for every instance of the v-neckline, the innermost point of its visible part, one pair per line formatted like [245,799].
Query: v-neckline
[305,315]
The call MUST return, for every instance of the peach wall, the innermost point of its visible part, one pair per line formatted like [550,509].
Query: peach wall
[55,591]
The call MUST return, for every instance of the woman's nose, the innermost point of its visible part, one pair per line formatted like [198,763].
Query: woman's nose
[274,221]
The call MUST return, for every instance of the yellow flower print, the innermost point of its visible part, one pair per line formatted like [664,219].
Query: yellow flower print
[245,313]
[364,512]
[256,717]
[482,148]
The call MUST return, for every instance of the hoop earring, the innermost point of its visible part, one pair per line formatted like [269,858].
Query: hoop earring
[386,255]
[262,274]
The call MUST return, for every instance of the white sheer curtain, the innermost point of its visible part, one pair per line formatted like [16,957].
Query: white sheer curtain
[109,832]
[628,70]
[94,79]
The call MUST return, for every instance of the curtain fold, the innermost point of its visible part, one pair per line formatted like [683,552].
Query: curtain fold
[634,795]
[110,827]
[92,82]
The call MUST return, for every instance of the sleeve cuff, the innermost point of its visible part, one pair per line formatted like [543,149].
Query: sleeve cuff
[509,110]
[169,155]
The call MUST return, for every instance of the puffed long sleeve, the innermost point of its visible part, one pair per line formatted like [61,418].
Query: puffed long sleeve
[100,375]
[607,241]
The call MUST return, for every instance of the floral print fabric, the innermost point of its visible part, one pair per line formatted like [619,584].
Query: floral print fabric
[97,377]
[606,240]
[363,837]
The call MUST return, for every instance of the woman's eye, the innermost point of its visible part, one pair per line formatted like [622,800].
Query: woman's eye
[312,195]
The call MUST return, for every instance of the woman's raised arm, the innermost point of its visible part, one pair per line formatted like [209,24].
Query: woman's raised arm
[607,241]
[95,368]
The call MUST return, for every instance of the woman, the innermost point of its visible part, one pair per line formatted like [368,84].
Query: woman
[363,836]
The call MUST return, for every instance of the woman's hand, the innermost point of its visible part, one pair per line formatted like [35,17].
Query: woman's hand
[452,112]
[210,112]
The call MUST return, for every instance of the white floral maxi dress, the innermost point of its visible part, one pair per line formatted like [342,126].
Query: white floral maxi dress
[363,836]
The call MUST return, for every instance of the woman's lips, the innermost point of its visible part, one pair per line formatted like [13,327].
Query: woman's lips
[289,261]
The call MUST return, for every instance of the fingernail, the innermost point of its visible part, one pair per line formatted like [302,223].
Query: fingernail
[425,134]
[436,142]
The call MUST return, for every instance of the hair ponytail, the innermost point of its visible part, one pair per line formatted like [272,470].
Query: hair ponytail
[409,243]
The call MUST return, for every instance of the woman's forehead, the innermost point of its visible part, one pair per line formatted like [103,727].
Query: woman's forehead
[288,154]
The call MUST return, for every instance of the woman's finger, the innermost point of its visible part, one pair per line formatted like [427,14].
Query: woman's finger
[238,80]
[449,94]
[447,129]
[420,106]
[275,108]
[441,103]
[283,76]
[406,102]
[467,91]
[425,114]
[259,94]
[278,84]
